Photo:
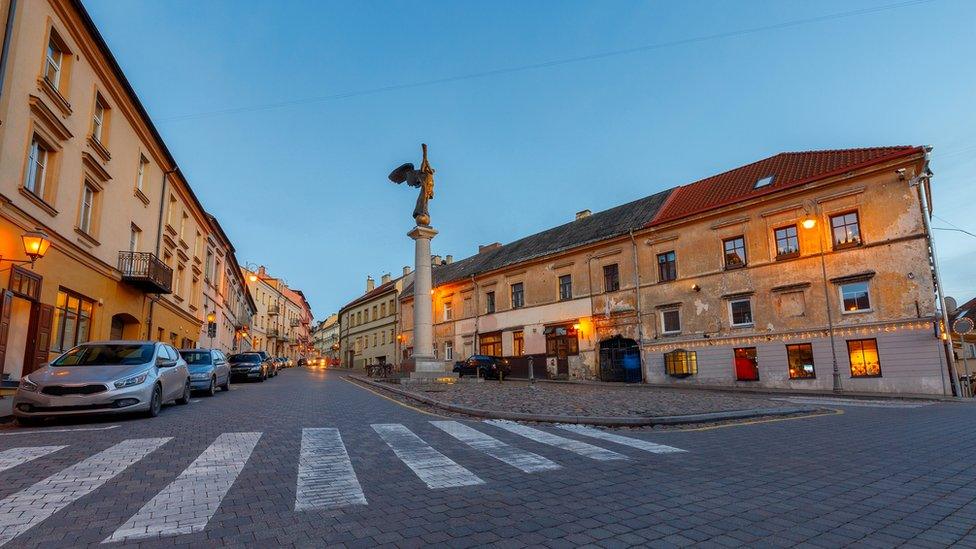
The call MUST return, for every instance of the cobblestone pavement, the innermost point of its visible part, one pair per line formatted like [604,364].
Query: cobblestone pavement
[592,399]
[362,470]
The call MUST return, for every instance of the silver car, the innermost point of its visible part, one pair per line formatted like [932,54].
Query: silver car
[208,370]
[103,378]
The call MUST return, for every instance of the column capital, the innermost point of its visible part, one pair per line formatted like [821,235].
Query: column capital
[422,232]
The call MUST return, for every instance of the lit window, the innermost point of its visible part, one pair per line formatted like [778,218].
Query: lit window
[787,243]
[35,179]
[565,287]
[735,252]
[611,278]
[53,63]
[667,268]
[681,363]
[671,320]
[741,312]
[746,364]
[846,230]
[864,358]
[800,360]
[72,320]
[855,297]
[87,209]
[518,343]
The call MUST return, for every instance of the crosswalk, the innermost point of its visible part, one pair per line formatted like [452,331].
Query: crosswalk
[327,477]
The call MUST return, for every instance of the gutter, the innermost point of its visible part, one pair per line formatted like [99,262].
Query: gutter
[5,52]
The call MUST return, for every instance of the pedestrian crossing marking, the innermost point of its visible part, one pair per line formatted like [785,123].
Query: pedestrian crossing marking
[326,478]
[582,448]
[431,466]
[516,457]
[645,445]
[15,456]
[21,511]
[187,504]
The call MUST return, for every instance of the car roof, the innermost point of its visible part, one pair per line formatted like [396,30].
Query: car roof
[120,342]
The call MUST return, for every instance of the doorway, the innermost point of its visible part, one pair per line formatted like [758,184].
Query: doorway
[620,360]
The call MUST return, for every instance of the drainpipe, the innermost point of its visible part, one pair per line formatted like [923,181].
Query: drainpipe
[637,304]
[589,289]
[477,313]
[947,344]
[5,52]
[159,242]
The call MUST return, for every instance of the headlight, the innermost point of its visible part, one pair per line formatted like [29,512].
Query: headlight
[204,375]
[255,368]
[129,382]
[27,385]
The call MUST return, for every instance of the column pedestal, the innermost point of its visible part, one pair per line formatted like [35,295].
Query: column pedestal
[426,366]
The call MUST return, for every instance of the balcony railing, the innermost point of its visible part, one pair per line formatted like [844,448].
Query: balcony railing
[293,323]
[146,272]
[272,310]
[272,333]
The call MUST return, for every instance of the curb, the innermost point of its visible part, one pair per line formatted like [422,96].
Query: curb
[689,419]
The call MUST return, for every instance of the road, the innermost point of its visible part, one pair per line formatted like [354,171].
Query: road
[310,459]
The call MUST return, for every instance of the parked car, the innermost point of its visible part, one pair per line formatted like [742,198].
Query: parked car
[249,366]
[104,378]
[484,366]
[282,363]
[302,362]
[208,370]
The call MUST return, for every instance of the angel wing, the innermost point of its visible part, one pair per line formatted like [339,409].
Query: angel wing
[404,174]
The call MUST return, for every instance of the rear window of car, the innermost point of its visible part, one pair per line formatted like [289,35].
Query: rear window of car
[196,357]
[106,355]
[256,359]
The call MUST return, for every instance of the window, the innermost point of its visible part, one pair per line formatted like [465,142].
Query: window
[489,302]
[72,320]
[183,226]
[846,230]
[87,209]
[787,244]
[135,235]
[855,297]
[565,287]
[35,179]
[382,309]
[740,311]
[448,350]
[99,119]
[208,265]
[490,344]
[800,360]
[141,174]
[746,364]
[681,363]
[54,62]
[518,296]
[25,283]
[864,358]
[518,343]
[561,341]
[375,309]
[735,252]
[671,321]
[448,310]
[467,307]
[763,182]
[611,278]
[170,209]
[178,282]
[666,267]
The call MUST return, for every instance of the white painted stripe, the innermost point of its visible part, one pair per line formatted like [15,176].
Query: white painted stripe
[15,456]
[187,504]
[326,479]
[645,445]
[581,448]
[516,457]
[857,403]
[431,466]
[43,431]
[21,511]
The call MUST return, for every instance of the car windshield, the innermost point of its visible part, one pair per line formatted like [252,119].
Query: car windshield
[196,357]
[121,354]
[256,359]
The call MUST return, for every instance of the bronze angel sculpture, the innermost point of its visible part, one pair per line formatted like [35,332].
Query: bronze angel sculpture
[423,179]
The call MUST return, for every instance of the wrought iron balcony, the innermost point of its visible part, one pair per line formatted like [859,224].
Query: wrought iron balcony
[293,323]
[271,333]
[272,310]
[146,272]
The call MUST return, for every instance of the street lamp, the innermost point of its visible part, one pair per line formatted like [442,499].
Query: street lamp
[809,223]
[36,244]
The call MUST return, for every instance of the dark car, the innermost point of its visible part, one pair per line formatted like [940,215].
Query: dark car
[483,366]
[249,366]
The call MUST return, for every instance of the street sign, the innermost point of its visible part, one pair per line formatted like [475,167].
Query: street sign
[963,325]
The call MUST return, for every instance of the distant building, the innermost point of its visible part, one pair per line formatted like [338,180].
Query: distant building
[368,324]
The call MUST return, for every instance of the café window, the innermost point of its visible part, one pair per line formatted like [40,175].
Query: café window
[518,343]
[741,312]
[667,268]
[561,341]
[855,297]
[611,278]
[565,287]
[846,230]
[787,242]
[490,344]
[518,295]
[72,320]
[735,252]
[864,358]
[671,321]
[681,363]
[746,364]
[800,360]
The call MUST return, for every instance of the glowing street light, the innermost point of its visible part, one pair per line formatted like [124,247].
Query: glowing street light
[36,244]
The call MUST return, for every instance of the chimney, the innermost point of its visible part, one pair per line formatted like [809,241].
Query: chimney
[435,259]
[489,247]
[385,279]
[262,272]
[370,284]
[449,259]
[406,270]
[583,214]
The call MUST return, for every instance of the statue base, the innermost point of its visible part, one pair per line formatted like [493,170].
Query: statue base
[431,370]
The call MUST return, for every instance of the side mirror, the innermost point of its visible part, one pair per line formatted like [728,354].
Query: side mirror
[165,363]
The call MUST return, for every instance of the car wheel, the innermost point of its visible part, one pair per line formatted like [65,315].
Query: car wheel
[185,398]
[263,377]
[29,421]
[155,402]
[212,390]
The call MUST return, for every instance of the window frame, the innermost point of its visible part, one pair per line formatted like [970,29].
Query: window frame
[689,363]
[843,298]
[61,320]
[726,254]
[565,287]
[796,346]
[857,224]
[664,325]
[518,343]
[100,116]
[796,237]
[754,358]
[752,318]
[448,310]
[877,352]
[54,41]
[520,302]
[611,278]
[667,269]
[39,145]
[86,211]
[489,302]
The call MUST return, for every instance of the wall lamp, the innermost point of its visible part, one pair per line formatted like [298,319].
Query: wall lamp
[36,244]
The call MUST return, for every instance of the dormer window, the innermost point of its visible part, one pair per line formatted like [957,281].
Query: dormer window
[763,182]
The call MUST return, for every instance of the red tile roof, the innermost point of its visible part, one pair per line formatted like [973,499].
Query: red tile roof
[789,169]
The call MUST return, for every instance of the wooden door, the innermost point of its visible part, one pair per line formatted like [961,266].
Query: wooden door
[5,309]
[38,336]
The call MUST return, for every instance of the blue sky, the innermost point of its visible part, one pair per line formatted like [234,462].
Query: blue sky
[303,188]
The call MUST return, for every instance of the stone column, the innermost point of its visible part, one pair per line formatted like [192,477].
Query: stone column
[423,315]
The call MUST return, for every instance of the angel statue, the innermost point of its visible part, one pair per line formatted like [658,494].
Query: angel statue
[422,178]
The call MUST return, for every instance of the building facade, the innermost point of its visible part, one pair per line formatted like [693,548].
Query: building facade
[367,325]
[281,323]
[225,295]
[767,275]
[325,339]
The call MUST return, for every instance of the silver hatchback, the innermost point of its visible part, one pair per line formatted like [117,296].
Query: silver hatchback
[104,378]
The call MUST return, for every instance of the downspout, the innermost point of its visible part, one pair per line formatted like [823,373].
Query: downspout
[589,288]
[637,304]
[477,314]
[5,52]
[159,241]
[947,343]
